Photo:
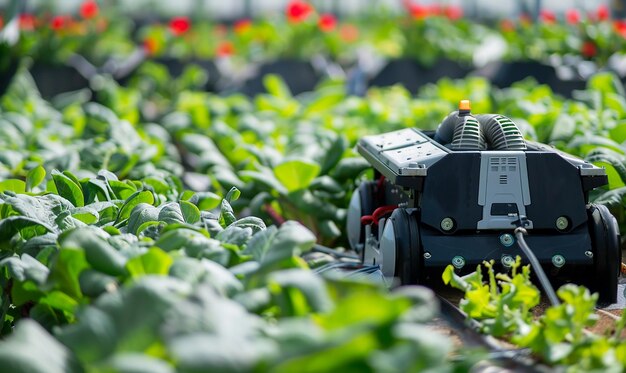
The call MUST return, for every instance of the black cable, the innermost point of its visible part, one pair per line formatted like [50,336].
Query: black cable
[520,231]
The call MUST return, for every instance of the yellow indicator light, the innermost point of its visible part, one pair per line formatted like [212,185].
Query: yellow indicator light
[464,105]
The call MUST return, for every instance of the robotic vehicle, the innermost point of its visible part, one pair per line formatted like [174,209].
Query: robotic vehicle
[454,195]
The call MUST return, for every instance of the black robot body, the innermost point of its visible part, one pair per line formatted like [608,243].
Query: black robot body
[453,196]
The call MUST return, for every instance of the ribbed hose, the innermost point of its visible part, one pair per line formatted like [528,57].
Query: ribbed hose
[468,135]
[501,132]
[487,131]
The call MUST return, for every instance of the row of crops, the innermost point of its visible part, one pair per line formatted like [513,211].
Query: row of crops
[147,225]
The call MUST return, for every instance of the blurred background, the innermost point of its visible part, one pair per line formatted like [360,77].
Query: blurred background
[366,43]
[245,8]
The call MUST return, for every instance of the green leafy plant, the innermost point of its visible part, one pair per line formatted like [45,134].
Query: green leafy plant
[502,303]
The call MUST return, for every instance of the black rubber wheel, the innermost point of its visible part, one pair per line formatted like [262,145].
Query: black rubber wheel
[408,253]
[363,203]
[607,254]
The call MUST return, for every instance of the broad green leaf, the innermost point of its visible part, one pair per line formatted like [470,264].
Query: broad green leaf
[59,300]
[31,349]
[206,200]
[349,168]
[221,279]
[140,215]
[328,185]
[232,195]
[260,243]
[290,285]
[564,128]
[296,174]
[307,202]
[325,101]
[227,216]
[160,186]
[122,190]
[68,264]
[191,356]
[13,185]
[187,195]
[452,279]
[191,213]
[333,154]
[93,283]
[26,227]
[265,176]
[273,245]
[97,187]
[613,197]
[93,338]
[68,189]
[25,268]
[614,164]
[199,246]
[26,292]
[187,269]
[176,239]
[145,307]
[154,262]
[171,214]
[606,82]
[39,209]
[132,201]
[86,214]
[276,86]
[98,252]
[256,224]
[235,235]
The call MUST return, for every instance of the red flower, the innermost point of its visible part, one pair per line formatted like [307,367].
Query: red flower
[453,12]
[179,25]
[298,11]
[506,25]
[242,26]
[547,16]
[572,16]
[418,11]
[89,9]
[58,23]
[225,49]
[603,13]
[620,28]
[151,46]
[349,33]
[327,22]
[27,22]
[588,49]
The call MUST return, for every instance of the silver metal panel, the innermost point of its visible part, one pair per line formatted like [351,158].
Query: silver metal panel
[392,140]
[410,160]
[591,171]
[503,179]
[406,152]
